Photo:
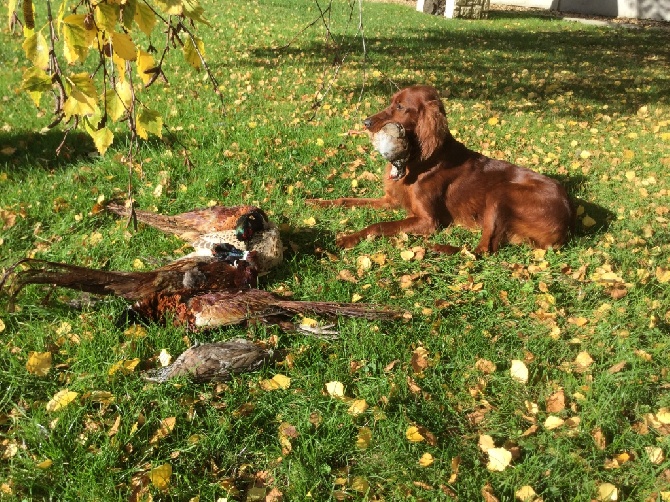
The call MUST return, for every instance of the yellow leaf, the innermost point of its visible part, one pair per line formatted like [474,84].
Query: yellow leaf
[499,459]
[662,275]
[607,492]
[102,138]
[364,438]
[360,484]
[364,262]
[356,297]
[276,382]
[135,331]
[124,366]
[35,82]
[61,399]
[83,96]
[426,460]
[310,222]
[654,454]
[2,326]
[164,358]
[413,435]
[76,38]
[407,255]
[113,105]
[485,366]
[45,464]
[37,50]
[138,264]
[193,46]
[101,396]
[583,360]
[553,422]
[164,429]
[149,121]
[106,16]
[193,10]
[145,18]
[145,61]
[160,476]
[587,221]
[585,154]
[335,389]
[493,121]
[519,371]
[39,363]
[525,494]
[486,443]
[124,47]
[358,406]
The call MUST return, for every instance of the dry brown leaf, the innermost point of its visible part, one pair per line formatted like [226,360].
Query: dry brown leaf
[485,366]
[553,422]
[413,387]
[655,454]
[487,494]
[599,438]
[617,367]
[583,361]
[556,402]
[419,359]
[455,463]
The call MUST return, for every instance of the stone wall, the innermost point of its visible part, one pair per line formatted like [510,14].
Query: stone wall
[470,9]
[640,9]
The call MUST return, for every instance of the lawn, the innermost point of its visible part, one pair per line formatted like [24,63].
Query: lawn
[557,362]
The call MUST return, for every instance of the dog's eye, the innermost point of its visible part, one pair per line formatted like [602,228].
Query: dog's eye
[399,107]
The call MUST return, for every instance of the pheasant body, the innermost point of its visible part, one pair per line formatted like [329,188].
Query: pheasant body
[245,227]
[214,362]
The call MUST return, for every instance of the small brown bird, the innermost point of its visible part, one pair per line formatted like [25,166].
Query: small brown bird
[215,362]
[236,306]
[392,143]
[245,227]
[227,268]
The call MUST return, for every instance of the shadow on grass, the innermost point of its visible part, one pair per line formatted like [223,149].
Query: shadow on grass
[480,61]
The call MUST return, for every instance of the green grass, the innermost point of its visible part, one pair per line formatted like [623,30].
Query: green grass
[557,89]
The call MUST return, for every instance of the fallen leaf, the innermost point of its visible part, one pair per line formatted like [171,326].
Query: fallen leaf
[61,399]
[583,361]
[164,429]
[487,493]
[426,460]
[310,222]
[360,484]
[419,359]
[553,422]
[276,382]
[617,367]
[160,476]
[486,443]
[485,366]
[556,402]
[124,366]
[407,255]
[499,459]
[45,464]
[607,492]
[358,406]
[335,389]
[525,494]
[413,435]
[519,371]
[455,463]
[599,438]
[165,358]
[39,363]
[364,438]
[654,454]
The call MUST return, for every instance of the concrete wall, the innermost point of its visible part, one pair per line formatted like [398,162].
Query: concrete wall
[641,9]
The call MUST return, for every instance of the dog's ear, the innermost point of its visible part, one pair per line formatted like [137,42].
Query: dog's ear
[431,128]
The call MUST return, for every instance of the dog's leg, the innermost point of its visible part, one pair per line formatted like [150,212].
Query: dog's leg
[494,228]
[381,203]
[412,225]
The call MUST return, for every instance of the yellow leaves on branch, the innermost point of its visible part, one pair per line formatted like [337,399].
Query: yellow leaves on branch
[194,48]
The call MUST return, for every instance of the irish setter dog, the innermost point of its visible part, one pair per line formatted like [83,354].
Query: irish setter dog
[444,182]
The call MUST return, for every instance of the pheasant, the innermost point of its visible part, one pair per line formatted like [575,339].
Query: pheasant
[392,143]
[199,293]
[215,362]
[228,307]
[227,267]
[245,227]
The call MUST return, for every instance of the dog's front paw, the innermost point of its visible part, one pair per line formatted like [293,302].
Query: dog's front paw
[347,241]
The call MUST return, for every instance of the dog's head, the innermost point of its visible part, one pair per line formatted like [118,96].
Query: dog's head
[419,110]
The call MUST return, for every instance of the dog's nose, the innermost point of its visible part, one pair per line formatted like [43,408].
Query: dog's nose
[368,122]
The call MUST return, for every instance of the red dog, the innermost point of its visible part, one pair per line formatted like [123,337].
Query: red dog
[443,182]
